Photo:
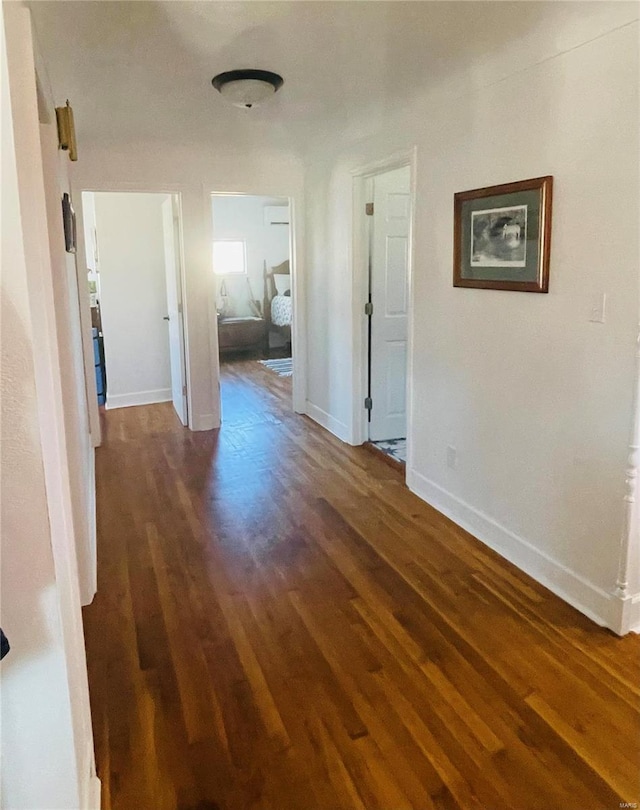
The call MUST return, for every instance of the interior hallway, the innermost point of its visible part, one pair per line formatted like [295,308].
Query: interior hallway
[281,624]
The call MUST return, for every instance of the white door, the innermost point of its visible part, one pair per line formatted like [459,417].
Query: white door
[170,227]
[389,296]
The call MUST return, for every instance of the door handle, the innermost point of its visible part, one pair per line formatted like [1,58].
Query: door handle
[166,318]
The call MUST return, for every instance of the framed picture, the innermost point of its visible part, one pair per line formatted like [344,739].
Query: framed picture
[502,236]
[69,221]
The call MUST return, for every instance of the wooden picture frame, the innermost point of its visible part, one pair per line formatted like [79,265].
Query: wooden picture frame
[69,223]
[502,236]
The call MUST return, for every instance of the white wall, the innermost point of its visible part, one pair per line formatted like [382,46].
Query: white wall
[536,399]
[89,230]
[242,218]
[133,298]
[47,747]
[69,332]
[194,171]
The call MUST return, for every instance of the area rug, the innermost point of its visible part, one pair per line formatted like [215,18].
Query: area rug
[283,367]
[396,448]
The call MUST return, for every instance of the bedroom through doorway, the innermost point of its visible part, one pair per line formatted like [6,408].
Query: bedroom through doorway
[253,304]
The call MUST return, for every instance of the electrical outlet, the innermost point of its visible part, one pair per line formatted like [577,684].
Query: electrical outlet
[452,457]
[598,310]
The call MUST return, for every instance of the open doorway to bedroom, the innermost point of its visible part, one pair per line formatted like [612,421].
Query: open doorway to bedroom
[253,304]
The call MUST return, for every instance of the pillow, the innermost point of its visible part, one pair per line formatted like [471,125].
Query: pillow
[282,282]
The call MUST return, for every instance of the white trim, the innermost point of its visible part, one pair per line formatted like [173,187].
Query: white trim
[94,792]
[600,606]
[359,273]
[630,539]
[299,317]
[92,584]
[395,161]
[138,398]
[91,789]
[329,422]
[359,427]
[210,421]
[84,303]
[176,205]
[628,602]
[628,614]
[204,421]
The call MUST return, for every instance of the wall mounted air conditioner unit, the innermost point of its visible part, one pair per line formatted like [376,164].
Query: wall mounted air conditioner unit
[276,215]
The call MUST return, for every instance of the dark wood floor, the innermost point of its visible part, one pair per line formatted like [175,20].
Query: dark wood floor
[281,625]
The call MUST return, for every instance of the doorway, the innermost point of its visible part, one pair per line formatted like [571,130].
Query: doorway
[388,319]
[135,269]
[383,201]
[254,303]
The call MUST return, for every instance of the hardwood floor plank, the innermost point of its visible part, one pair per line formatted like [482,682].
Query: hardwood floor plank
[281,625]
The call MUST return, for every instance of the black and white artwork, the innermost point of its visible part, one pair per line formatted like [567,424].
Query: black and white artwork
[499,237]
[502,236]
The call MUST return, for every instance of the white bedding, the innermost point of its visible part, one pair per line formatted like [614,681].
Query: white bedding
[281,310]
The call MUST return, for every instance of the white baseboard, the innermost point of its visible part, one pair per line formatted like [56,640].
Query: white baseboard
[204,421]
[138,398]
[94,793]
[603,608]
[328,422]
[91,788]
[628,618]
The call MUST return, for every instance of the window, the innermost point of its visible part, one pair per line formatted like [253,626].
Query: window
[229,258]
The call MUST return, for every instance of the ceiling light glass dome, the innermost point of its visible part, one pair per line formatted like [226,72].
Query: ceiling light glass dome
[247,88]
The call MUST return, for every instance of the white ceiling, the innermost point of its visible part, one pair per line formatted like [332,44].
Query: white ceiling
[142,70]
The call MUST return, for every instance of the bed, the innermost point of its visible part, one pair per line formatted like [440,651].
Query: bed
[277,305]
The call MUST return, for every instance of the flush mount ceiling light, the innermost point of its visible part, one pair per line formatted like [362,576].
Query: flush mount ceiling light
[247,88]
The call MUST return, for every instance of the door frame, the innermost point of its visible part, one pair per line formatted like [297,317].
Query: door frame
[298,325]
[176,192]
[361,178]
[176,225]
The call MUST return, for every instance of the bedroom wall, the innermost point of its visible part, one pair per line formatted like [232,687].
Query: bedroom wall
[133,298]
[195,171]
[535,398]
[242,218]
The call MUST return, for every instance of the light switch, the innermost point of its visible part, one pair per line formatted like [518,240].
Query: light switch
[598,310]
